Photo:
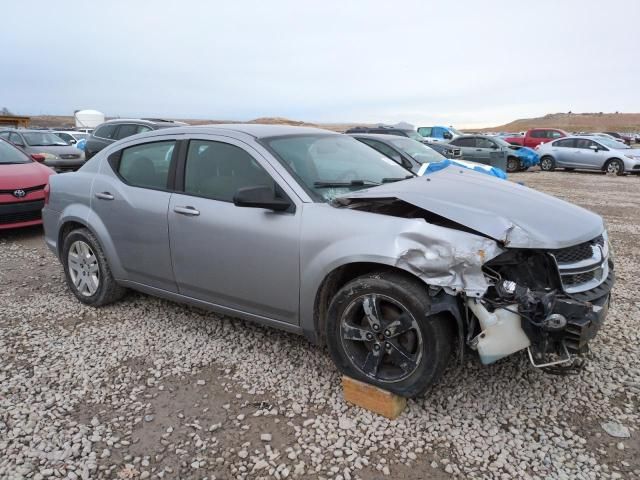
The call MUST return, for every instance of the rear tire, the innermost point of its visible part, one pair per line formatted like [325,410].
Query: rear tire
[86,270]
[614,166]
[513,164]
[378,332]
[547,164]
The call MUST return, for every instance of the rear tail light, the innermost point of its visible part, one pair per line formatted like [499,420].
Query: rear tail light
[38,157]
[47,192]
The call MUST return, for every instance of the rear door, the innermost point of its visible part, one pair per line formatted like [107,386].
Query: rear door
[245,259]
[130,196]
[486,150]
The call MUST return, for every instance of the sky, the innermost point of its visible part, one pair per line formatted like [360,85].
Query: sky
[464,63]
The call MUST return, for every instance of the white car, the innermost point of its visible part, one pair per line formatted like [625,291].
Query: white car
[589,153]
[70,136]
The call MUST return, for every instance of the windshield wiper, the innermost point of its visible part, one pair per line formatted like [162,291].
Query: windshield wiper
[399,179]
[352,183]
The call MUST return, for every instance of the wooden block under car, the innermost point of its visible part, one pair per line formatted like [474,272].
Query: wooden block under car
[373,398]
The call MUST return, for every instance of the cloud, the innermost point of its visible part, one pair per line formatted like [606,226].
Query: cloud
[466,63]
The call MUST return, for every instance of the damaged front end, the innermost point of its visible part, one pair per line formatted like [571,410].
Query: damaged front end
[551,302]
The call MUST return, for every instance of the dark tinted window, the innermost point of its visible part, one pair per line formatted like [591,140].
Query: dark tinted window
[126,130]
[105,131]
[484,143]
[147,165]
[217,170]
[565,143]
[464,142]
[539,134]
[585,143]
[554,134]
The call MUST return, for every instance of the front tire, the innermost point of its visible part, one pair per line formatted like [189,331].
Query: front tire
[86,269]
[547,164]
[513,164]
[614,166]
[379,331]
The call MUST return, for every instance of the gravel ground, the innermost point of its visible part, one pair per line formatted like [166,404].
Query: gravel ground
[152,389]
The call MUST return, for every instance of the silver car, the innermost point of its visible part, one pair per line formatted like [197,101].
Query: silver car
[46,147]
[589,153]
[316,233]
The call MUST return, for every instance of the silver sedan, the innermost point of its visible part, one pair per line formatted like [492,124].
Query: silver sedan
[316,233]
[589,153]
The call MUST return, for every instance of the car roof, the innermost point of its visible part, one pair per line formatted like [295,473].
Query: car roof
[254,130]
[146,121]
[381,136]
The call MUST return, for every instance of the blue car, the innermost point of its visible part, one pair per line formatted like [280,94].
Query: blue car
[527,156]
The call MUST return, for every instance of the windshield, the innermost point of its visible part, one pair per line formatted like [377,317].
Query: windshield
[43,139]
[10,154]
[416,150]
[608,142]
[330,165]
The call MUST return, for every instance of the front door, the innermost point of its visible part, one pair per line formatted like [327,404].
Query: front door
[246,259]
[130,196]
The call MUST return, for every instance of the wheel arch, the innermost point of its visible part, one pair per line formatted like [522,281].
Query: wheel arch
[610,159]
[338,277]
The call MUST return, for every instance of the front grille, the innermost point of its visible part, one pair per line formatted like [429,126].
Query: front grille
[579,278]
[456,152]
[578,253]
[69,156]
[583,267]
[26,190]
[20,212]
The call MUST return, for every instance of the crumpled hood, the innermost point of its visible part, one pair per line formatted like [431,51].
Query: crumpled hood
[515,215]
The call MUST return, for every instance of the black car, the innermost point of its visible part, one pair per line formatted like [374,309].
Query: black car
[443,149]
[623,138]
[409,153]
[113,130]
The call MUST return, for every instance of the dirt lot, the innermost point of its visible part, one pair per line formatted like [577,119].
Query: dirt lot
[152,389]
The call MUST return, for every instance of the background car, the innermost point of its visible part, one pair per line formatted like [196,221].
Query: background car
[113,130]
[47,147]
[71,136]
[445,149]
[488,151]
[22,188]
[535,136]
[388,130]
[439,133]
[589,153]
[621,137]
[405,151]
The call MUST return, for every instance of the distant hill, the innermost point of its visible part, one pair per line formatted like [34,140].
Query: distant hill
[61,121]
[575,122]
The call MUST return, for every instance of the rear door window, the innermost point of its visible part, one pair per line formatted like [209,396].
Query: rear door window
[126,130]
[464,142]
[566,143]
[147,165]
[106,131]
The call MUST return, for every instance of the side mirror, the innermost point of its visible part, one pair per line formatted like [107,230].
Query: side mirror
[447,135]
[260,197]
[594,148]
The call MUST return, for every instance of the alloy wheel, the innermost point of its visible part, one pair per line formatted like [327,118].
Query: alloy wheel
[84,269]
[381,338]
[545,164]
[613,167]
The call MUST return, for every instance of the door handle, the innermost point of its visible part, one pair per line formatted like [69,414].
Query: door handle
[191,211]
[104,196]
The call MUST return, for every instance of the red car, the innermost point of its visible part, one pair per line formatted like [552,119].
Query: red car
[22,188]
[534,137]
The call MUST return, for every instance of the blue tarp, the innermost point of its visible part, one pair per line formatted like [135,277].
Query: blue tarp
[427,168]
[81,144]
[527,156]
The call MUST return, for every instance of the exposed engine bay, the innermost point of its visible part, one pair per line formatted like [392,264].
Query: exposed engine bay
[558,299]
